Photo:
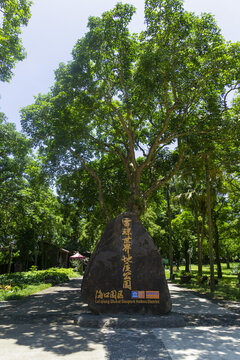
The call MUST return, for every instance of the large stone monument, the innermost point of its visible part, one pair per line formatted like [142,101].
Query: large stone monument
[125,273]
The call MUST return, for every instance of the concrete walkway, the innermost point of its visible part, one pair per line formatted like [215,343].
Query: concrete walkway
[42,327]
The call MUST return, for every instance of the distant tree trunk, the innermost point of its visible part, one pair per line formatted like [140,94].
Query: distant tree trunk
[178,262]
[42,255]
[177,253]
[198,235]
[36,257]
[10,259]
[27,264]
[228,261]
[201,242]
[27,261]
[170,234]
[211,258]
[186,256]
[187,264]
[216,247]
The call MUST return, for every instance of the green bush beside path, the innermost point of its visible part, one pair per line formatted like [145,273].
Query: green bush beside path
[18,285]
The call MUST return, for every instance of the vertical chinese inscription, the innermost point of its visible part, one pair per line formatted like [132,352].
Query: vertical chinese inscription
[127,258]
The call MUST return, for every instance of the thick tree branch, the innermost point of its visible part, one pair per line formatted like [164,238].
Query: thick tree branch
[156,143]
[231,181]
[117,150]
[143,151]
[191,132]
[227,93]
[128,132]
[96,178]
[164,180]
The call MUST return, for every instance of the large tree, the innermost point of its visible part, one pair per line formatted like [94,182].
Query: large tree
[128,95]
[14,149]
[13,14]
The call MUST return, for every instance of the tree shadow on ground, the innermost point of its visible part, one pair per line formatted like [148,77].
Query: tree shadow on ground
[201,343]
[44,323]
[72,340]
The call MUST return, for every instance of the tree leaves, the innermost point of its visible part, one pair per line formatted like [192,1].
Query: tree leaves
[15,13]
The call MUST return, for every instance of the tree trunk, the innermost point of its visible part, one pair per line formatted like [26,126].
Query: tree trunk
[135,204]
[198,234]
[187,256]
[170,235]
[211,258]
[36,257]
[27,261]
[228,261]
[10,259]
[216,248]
[187,264]
[42,255]
[201,242]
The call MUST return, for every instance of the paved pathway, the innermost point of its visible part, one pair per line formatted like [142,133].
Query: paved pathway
[42,327]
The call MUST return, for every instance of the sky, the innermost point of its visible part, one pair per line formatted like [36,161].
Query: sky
[55,27]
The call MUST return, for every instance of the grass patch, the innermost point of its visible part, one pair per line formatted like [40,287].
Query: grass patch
[17,294]
[15,286]
[225,289]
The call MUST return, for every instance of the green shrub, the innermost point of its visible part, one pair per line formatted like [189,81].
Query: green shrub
[15,285]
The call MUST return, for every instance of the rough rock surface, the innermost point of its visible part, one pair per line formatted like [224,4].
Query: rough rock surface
[125,273]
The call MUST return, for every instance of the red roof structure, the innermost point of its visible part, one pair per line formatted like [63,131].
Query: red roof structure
[77,255]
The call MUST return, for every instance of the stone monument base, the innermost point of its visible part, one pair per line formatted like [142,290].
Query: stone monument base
[133,321]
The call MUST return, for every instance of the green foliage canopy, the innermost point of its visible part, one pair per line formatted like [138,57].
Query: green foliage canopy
[13,14]
[127,95]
